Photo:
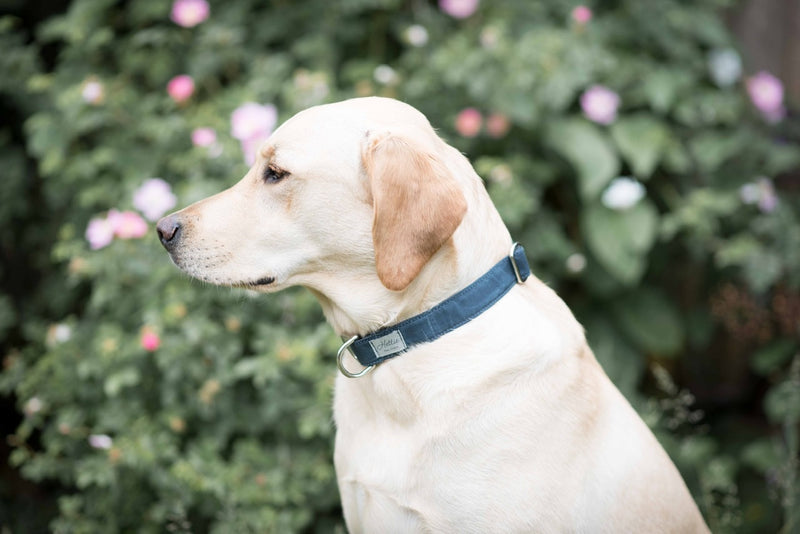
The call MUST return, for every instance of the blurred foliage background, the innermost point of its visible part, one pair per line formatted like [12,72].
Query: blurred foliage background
[652,176]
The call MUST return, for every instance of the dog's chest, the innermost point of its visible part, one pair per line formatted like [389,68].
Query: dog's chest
[378,469]
[434,474]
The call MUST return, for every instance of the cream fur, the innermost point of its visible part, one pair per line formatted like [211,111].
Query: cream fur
[507,424]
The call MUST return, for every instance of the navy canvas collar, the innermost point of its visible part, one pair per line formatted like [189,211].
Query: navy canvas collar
[446,316]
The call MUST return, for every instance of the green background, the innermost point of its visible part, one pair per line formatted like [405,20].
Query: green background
[691,298]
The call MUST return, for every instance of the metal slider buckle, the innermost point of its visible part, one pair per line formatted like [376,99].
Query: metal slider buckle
[514,262]
[340,363]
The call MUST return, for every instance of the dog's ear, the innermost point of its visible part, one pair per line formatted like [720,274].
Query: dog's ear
[417,206]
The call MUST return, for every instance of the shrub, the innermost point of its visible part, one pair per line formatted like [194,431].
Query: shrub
[650,181]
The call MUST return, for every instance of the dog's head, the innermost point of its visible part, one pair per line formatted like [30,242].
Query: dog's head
[357,188]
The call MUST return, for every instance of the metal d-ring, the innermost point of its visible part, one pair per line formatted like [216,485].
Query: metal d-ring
[340,364]
[514,262]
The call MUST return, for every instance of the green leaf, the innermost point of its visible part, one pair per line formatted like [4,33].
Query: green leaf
[782,402]
[116,382]
[762,455]
[763,271]
[662,86]
[641,140]
[712,149]
[773,356]
[738,250]
[7,314]
[620,240]
[781,158]
[598,281]
[623,365]
[719,473]
[699,328]
[651,321]
[697,450]
[589,152]
[514,200]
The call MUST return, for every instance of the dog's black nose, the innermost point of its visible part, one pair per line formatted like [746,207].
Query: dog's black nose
[169,231]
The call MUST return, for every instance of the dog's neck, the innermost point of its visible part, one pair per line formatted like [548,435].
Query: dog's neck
[358,304]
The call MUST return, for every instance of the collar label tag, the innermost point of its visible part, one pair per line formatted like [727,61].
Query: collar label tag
[389,344]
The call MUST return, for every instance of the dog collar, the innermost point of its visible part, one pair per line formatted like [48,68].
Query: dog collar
[446,316]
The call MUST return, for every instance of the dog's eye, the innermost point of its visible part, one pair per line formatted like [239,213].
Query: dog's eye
[273,174]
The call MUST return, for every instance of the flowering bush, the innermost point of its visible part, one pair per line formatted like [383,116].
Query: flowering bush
[649,173]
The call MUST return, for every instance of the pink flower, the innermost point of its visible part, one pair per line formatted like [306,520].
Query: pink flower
[766,93]
[581,15]
[600,104]
[180,88]
[459,9]
[469,122]
[250,147]
[188,13]
[253,120]
[93,92]
[761,192]
[497,125]
[149,340]
[154,198]
[127,224]
[204,137]
[252,124]
[99,233]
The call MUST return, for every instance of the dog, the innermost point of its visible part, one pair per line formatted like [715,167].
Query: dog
[500,420]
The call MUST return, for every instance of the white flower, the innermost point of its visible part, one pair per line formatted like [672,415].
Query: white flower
[576,263]
[93,92]
[622,193]
[417,35]
[62,333]
[100,441]
[33,406]
[501,174]
[725,66]
[384,74]
[750,193]
[761,192]
[59,332]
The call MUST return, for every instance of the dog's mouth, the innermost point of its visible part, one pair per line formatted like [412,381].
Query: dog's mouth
[191,269]
[261,282]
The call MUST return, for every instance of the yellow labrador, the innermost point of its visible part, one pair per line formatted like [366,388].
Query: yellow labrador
[497,420]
